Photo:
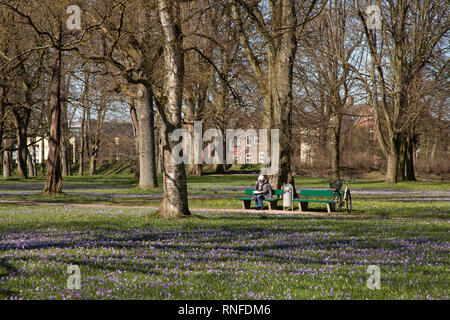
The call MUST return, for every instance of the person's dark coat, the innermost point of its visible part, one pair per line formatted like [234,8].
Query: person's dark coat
[265,187]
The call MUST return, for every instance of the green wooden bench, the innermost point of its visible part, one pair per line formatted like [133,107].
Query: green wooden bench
[321,196]
[247,201]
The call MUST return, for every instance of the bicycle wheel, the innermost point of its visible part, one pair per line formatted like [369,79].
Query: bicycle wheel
[349,202]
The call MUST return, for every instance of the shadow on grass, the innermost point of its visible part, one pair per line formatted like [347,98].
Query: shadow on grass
[6,269]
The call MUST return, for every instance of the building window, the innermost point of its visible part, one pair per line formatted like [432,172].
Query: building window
[237,141]
[248,141]
[256,141]
[261,157]
[236,158]
[248,158]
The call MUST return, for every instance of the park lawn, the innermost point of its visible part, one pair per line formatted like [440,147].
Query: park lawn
[126,253]
[128,183]
[364,207]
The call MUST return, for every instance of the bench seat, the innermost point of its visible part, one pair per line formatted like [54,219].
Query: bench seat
[244,199]
[306,196]
[304,200]
[246,202]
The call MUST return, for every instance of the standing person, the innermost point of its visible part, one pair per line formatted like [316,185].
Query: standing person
[262,191]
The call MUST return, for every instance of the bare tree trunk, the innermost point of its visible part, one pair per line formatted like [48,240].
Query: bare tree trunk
[159,158]
[7,164]
[83,129]
[65,138]
[147,152]
[22,151]
[93,164]
[81,154]
[53,182]
[221,109]
[393,162]
[135,122]
[434,147]
[193,169]
[401,159]
[410,174]
[335,151]
[30,164]
[42,148]
[276,87]
[280,82]
[2,123]
[65,161]
[175,200]
[160,165]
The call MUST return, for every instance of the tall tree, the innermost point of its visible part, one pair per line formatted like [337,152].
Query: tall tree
[278,33]
[126,44]
[411,32]
[175,200]
[146,140]
[53,181]
[327,78]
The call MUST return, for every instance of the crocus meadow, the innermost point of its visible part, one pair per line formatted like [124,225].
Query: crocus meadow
[128,254]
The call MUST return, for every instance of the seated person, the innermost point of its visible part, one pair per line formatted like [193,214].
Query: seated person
[263,191]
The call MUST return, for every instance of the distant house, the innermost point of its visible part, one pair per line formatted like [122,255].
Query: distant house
[357,116]
[361,116]
[246,148]
[117,143]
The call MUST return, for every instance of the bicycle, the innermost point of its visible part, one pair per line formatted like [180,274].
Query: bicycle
[341,199]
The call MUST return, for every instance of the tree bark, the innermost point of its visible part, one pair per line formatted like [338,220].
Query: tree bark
[81,150]
[175,199]
[7,164]
[335,151]
[393,162]
[135,122]
[146,129]
[84,106]
[401,160]
[93,164]
[2,122]
[53,182]
[410,174]
[42,148]
[30,164]
[65,160]
[65,137]
[21,118]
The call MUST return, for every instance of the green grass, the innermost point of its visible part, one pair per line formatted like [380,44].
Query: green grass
[115,189]
[363,207]
[127,254]
[376,208]
[233,180]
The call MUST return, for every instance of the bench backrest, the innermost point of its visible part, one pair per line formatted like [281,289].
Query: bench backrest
[317,193]
[276,192]
[302,193]
[249,191]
